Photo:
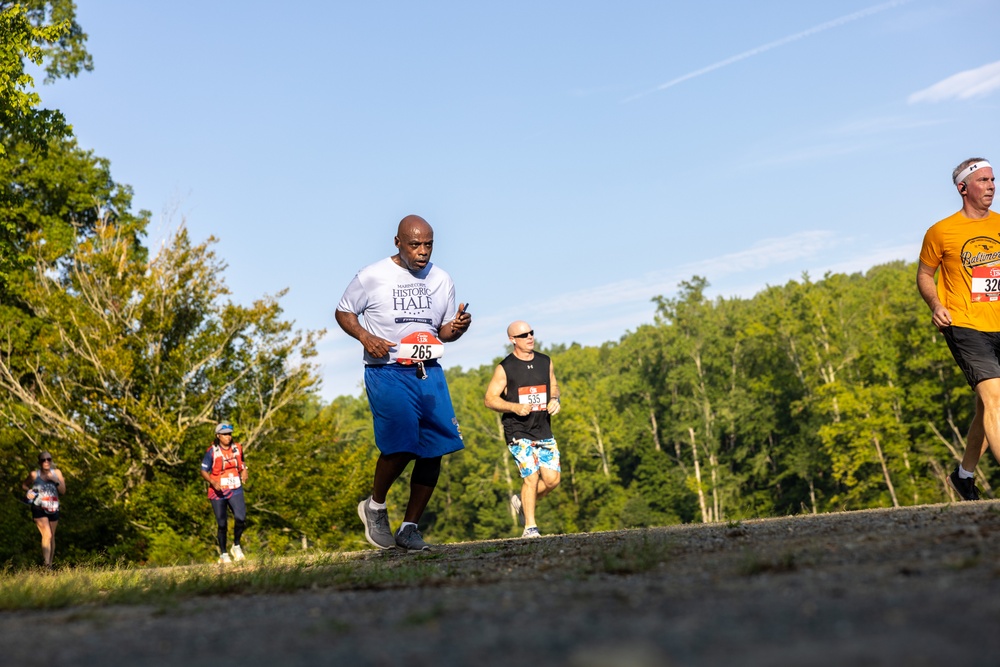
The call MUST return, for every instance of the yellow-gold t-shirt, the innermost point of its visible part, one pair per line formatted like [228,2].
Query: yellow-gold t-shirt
[968,254]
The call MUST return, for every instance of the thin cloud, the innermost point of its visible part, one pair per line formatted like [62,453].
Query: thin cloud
[851,138]
[766,253]
[835,23]
[878,126]
[865,261]
[623,305]
[811,154]
[965,85]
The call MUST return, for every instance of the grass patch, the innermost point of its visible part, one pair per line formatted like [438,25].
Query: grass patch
[165,587]
[423,617]
[637,553]
[964,562]
[735,528]
[754,564]
[488,549]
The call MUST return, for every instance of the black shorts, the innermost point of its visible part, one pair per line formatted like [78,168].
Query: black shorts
[977,352]
[37,513]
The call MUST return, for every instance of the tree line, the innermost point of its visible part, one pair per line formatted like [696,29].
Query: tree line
[813,396]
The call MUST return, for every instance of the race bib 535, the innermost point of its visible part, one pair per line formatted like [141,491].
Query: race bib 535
[535,396]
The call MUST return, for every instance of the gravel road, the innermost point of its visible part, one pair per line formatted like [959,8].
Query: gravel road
[910,586]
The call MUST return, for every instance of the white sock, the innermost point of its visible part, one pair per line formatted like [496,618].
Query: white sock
[374,505]
[964,474]
[405,524]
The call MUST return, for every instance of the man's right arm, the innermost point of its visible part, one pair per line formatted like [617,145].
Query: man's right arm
[493,399]
[374,346]
[928,290]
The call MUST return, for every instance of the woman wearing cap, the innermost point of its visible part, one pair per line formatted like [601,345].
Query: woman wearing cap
[43,487]
[224,470]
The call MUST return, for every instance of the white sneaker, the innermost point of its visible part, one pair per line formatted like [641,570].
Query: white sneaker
[224,558]
[237,553]
[515,504]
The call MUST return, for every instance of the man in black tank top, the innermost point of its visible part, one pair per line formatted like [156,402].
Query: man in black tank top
[524,390]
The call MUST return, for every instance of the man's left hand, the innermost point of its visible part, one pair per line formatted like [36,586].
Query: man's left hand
[457,326]
[462,321]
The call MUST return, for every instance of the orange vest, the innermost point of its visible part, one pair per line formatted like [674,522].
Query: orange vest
[226,469]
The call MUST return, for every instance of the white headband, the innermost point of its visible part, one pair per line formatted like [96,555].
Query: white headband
[964,174]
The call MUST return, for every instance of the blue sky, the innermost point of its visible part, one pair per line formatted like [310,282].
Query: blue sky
[575,158]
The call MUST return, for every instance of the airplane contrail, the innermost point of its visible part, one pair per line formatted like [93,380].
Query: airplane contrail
[773,45]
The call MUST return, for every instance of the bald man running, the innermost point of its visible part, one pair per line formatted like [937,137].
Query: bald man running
[408,305]
[525,391]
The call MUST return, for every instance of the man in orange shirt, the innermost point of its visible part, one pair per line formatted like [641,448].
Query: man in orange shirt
[965,305]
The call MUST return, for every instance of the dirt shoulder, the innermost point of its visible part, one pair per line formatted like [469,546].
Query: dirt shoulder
[909,586]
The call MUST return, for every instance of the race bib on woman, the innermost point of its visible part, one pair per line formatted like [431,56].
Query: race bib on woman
[230,482]
[418,347]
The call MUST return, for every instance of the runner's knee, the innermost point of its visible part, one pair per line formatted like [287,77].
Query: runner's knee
[426,471]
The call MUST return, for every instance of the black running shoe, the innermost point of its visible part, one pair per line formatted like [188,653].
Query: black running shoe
[965,487]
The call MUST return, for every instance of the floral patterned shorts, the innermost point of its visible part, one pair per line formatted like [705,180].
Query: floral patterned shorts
[534,454]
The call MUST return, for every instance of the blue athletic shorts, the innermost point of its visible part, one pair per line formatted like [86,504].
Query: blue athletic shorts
[534,454]
[410,414]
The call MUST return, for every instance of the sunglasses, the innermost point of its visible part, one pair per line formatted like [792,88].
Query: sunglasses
[45,459]
[525,334]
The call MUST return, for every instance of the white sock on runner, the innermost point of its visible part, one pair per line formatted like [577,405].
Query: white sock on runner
[374,505]
[964,474]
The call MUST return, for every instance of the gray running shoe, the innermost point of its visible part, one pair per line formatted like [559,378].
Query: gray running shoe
[515,504]
[965,487]
[377,530]
[409,538]
[531,532]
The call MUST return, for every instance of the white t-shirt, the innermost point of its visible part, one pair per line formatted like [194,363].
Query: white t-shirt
[395,302]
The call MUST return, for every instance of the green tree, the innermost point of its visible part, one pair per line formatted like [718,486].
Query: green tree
[589,430]
[308,476]
[42,32]
[127,363]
